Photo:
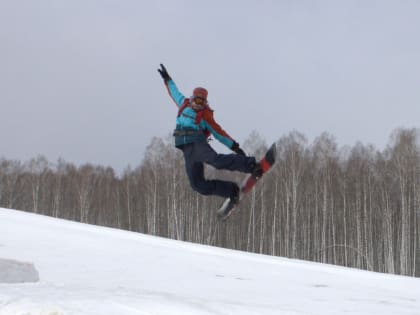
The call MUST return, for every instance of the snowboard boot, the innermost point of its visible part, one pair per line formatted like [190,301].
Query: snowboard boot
[257,171]
[228,206]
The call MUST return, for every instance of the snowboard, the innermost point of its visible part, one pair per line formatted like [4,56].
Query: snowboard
[249,182]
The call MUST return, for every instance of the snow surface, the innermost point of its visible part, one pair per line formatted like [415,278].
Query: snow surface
[13,271]
[85,269]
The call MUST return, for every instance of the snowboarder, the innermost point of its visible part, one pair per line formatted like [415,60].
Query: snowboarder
[194,124]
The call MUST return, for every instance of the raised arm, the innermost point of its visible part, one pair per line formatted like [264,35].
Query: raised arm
[173,91]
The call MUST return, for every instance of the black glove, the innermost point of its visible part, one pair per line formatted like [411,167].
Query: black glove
[235,148]
[163,73]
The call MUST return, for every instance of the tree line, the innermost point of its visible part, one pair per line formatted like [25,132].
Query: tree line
[351,206]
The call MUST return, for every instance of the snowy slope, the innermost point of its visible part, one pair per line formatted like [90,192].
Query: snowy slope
[85,269]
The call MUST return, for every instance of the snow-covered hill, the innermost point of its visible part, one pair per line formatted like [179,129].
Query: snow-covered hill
[85,269]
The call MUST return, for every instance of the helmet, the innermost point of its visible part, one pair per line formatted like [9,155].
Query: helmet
[200,92]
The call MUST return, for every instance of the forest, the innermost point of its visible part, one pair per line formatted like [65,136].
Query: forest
[352,206]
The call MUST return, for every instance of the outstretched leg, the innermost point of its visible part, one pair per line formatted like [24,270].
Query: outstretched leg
[197,153]
[203,152]
[195,171]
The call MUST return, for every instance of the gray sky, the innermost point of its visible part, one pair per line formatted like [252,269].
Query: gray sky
[78,78]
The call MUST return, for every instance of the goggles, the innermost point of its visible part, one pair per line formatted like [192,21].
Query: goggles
[199,101]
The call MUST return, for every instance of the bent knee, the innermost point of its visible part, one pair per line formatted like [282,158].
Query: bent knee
[203,187]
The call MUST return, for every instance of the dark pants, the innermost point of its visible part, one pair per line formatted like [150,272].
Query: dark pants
[198,153]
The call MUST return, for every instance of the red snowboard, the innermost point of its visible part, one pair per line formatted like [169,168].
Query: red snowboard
[249,182]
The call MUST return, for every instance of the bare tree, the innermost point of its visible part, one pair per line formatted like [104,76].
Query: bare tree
[38,169]
[406,161]
[326,161]
[293,162]
[11,184]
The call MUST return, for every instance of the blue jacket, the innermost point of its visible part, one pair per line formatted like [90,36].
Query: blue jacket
[191,125]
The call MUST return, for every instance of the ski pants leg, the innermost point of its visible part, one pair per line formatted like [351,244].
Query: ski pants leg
[198,153]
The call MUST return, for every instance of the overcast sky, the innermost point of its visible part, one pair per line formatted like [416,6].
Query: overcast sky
[78,78]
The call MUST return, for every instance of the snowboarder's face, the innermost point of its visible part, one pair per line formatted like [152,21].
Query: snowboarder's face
[199,100]
[198,103]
